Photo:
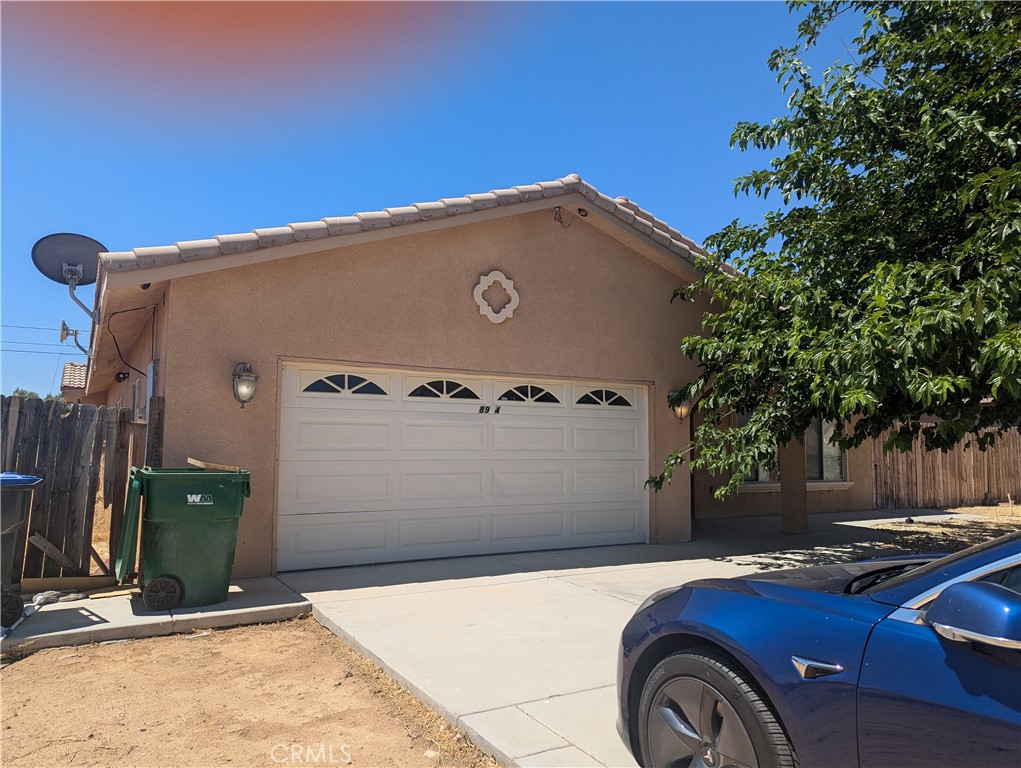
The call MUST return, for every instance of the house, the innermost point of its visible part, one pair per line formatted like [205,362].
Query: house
[479,374]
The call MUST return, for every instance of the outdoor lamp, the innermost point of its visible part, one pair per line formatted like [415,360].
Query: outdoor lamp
[245,383]
[682,408]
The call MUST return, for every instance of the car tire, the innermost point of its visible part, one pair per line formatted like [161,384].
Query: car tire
[699,704]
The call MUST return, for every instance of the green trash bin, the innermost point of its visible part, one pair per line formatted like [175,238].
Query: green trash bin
[189,520]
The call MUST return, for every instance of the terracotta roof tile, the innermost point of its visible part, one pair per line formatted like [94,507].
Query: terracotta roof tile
[529,192]
[506,196]
[74,376]
[374,219]
[644,223]
[199,249]
[551,188]
[485,200]
[431,210]
[274,236]
[343,225]
[157,255]
[456,205]
[310,230]
[404,215]
[247,241]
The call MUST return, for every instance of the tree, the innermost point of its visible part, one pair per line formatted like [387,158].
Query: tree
[884,294]
[28,394]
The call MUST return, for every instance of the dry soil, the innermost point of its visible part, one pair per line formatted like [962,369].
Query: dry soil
[289,694]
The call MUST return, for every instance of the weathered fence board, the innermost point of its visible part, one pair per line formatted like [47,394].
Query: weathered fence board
[76,453]
[963,476]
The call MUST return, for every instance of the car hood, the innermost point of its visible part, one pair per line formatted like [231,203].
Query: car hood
[835,578]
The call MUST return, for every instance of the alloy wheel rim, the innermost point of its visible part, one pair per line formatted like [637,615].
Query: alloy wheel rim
[692,725]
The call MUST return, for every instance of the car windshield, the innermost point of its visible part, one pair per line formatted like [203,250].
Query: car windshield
[938,565]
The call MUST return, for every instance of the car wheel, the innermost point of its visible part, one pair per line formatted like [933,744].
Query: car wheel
[698,710]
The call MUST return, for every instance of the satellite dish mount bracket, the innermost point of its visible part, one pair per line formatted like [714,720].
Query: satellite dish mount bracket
[72,275]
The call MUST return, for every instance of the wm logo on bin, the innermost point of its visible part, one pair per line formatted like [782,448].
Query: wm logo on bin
[200,498]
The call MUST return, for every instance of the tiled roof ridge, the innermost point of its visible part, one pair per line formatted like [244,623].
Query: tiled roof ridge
[223,245]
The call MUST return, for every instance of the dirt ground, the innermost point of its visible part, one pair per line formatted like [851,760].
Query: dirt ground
[951,535]
[289,694]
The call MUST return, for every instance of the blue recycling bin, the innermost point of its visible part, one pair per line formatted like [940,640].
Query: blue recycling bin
[15,493]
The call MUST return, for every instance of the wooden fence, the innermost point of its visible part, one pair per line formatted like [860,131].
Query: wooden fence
[81,455]
[964,476]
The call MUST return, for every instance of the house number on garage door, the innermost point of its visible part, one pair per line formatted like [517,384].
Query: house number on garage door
[485,409]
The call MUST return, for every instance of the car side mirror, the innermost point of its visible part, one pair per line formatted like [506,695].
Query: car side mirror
[977,612]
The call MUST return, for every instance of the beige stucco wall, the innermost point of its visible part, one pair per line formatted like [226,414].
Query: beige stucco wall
[591,308]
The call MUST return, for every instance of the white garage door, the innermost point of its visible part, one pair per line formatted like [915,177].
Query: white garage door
[378,466]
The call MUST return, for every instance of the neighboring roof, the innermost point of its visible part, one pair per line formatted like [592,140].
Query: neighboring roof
[74,376]
[643,222]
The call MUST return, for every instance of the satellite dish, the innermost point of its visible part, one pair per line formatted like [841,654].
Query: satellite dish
[67,332]
[68,258]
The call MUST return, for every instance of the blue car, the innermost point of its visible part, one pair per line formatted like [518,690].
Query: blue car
[891,663]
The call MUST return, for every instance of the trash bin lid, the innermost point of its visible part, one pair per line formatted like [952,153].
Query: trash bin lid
[14,479]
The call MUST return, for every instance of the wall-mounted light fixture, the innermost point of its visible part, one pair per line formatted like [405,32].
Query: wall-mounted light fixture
[680,408]
[245,383]
[120,376]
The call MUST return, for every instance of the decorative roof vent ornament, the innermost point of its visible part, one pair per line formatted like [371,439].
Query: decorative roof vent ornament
[494,304]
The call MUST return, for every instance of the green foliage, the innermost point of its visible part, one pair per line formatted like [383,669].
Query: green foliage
[885,293]
[28,394]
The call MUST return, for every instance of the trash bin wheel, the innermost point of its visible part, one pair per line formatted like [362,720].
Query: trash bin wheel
[13,606]
[162,593]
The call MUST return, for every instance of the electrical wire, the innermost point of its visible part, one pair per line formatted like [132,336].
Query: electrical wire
[36,343]
[109,327]
[37,352]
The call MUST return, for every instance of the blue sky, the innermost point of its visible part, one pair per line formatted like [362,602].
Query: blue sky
[136,131]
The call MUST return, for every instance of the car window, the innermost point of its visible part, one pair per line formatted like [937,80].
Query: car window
[1008,577]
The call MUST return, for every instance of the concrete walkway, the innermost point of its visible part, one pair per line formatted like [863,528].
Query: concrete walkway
[520,650]
[119,614]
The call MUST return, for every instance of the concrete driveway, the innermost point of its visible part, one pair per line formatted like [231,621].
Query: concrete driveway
[520,650]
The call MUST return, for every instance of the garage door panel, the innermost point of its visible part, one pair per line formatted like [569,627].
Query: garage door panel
[536,436]
[344,486]
[318,487]
[606,440]
[526,483]
[529,527]
[600,522]
[338,435]
[322,536]
[393,475]
[452,436]
[429,532]
[609,481]
[449,485]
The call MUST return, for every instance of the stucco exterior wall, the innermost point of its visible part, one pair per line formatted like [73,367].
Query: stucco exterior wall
[147,345]
[590,308]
